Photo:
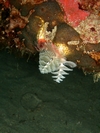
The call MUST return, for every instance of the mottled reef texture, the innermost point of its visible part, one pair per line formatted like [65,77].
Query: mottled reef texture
[20,22]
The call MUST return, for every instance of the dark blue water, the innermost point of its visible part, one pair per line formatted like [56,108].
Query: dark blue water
[33,103]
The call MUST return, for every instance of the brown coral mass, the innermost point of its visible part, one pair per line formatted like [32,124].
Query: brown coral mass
[25,21]
[32,1]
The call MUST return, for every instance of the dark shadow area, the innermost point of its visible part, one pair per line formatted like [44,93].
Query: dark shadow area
[33,103]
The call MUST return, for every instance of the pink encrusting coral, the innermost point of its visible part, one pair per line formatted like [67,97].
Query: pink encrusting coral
[73,14]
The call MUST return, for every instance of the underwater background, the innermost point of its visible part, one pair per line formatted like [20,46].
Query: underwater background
[31,102]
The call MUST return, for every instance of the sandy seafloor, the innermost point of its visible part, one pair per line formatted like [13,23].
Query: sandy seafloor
[33,103]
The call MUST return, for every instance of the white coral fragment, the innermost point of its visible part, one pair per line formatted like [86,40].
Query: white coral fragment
[96,77]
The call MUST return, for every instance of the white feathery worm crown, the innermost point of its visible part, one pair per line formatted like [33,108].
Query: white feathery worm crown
[50,58]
